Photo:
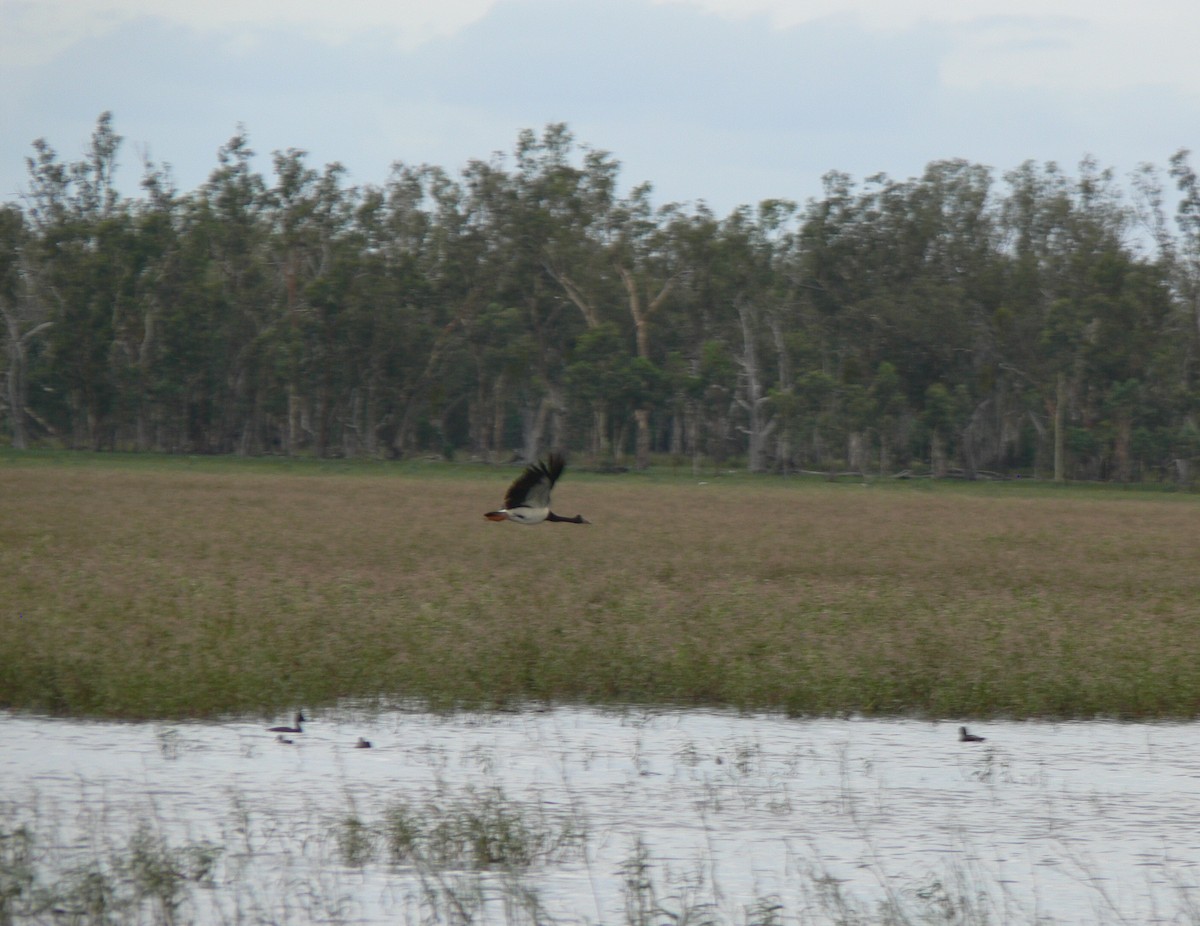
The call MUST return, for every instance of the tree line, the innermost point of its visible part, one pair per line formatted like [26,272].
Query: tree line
[956,322]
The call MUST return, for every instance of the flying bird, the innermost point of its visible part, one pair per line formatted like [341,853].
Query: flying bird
[965,737]
[527,500]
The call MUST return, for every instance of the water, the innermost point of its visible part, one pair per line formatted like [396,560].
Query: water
[712,813]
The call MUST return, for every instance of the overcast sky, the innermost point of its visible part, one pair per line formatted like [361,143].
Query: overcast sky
[726,101]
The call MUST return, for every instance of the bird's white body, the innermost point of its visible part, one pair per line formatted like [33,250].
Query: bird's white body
[528,498]
[525,514]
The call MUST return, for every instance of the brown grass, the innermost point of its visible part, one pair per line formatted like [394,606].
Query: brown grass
[136,590]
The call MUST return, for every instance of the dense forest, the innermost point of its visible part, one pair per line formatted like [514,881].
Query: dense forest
[958,322]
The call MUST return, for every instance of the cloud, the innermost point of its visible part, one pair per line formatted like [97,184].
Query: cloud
[1059,44]
[34,32]
[707,99]
[662,63]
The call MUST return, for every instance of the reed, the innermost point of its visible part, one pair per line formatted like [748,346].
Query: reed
[145,877]
[157,587]
[476,830]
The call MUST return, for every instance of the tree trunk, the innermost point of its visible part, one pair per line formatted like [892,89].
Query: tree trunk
[1060,436]
[15,378]
[642,417]
[601,439]
[533,426]
[759,427]
[590,317]
[693,420]
[556,426]
[856,452]
[1122,447]
[641,327]
[497,442]
[937,457]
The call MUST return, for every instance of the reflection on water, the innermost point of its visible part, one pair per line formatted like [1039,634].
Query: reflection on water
[733,815]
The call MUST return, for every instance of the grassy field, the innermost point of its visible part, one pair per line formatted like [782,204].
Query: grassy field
[168,587]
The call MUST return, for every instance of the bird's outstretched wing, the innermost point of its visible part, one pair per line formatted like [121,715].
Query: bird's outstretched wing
[532,488]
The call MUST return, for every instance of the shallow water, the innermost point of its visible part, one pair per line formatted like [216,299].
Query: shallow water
[1074,822]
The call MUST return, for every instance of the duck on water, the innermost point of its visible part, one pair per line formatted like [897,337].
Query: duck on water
[300,718]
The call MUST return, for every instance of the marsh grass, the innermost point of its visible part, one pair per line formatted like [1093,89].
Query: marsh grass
[149,879]
[473,855]
[159,588]
[124,885]
[145,879]
[473,830]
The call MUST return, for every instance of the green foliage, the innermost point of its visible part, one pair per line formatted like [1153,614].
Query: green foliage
[525,302]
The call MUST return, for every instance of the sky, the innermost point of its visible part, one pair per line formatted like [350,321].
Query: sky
[728,102]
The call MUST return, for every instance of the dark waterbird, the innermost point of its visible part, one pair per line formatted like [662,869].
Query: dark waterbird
[965,737]
[300,718]
[362,744]
[527,500]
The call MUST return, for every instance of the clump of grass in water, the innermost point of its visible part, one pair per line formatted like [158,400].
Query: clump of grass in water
[147,879]
[476,830]
[355,841]
[36,885]
[655,896]
[450,844]
[18,874]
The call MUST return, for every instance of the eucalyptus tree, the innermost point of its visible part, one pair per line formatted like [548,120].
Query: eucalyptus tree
[544,217]
[645,253]
[78,270]
[24,318]
[219,334]
[516,335]
[570,216]
[1069,278]
[731,274]
[688,324]
[192,325]
[143,382]
[754,243]
[308,214]
[778,247]
[945,329]
[1130,400]
[598,375]
[1180,254]
[888,410]
[1169,439]
[527,301]
[725,329]
[441,279]
[837,275]
[901,273]
[612,258]
[381,266]
[1186,253]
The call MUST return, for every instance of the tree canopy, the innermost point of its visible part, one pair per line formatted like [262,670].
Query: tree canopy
[961,321]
